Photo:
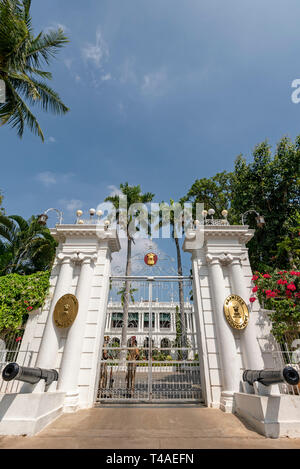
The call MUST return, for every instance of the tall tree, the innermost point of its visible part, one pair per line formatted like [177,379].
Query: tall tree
[21,57]
[270,185]
[172,217]
[129,195]
[25,246]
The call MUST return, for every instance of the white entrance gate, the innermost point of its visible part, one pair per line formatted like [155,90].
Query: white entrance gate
[153,356]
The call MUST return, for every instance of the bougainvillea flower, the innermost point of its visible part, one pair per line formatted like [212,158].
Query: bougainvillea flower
[252,299]
[267,276]
[291,287]
[18,339]
[255,289]
[254,278]
[30,308]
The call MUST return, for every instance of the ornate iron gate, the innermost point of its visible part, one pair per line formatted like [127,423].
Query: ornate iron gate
[150,348]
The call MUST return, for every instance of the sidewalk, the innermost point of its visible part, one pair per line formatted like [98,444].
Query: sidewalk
[149,427]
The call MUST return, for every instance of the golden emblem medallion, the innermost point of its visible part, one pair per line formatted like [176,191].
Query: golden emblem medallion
[65,311]
[236,312]
[150,259]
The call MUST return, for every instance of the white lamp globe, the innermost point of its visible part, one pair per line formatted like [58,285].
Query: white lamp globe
[99,213]
[204,213]
[211,211]
[225,213]
[92,212]
[107,223]
[79,213]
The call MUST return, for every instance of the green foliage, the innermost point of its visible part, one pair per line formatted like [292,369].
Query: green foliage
[214,192]
[279,292]
[19,295]
[21,57]
[124,216]
[270,185]
[25,246]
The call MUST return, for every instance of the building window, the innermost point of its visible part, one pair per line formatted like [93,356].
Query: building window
[165,344]
[146,321]
[165,320]
[133,320]
[117,320]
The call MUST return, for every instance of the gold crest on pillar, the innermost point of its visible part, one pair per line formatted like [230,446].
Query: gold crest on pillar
[65,311]
[236,312]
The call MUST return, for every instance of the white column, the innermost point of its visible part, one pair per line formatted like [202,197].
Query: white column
[226,342]
[48,351]
[252,357]
[70,365]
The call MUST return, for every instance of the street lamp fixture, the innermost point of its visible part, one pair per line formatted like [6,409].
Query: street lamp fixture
[260,220]
[42,219]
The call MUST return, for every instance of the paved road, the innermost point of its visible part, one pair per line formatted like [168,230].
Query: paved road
[117,427]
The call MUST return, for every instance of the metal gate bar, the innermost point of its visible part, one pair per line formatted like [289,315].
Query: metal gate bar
[149,373]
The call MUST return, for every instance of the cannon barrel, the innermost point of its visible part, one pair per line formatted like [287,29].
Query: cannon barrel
[28,375]
[268,377]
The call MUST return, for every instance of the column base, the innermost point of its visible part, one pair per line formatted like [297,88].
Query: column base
[28,414]
[71,403]
[227,402]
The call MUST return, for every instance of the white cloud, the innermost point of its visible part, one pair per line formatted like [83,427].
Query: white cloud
[106,77]
[154,83]
[128,74]
[47,178]
[96,53]
[68,63]
[114,190]
[52,140]
[71,205]
[55,26]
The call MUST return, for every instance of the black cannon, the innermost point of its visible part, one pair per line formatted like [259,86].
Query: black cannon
[28,375]
[268,377]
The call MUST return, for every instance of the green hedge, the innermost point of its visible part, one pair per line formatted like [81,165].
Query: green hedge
[20,295]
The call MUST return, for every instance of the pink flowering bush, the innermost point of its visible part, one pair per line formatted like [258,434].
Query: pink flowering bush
[279,292]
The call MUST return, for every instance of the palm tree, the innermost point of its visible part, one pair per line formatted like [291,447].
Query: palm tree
[25,246]
[169,216]
[21,57]
[125,218]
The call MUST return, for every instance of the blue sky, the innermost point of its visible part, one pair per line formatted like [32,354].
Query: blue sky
[161,92]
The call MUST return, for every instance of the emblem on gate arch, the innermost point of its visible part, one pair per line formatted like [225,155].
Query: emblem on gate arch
[65,311]
[150,259]
[236,312]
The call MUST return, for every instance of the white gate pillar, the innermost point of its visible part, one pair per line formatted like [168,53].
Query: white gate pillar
[70,365]
[226,341]
[47,355]
[221,268]
[252,357]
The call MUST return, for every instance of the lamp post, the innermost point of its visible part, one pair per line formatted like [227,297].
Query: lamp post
[42,219]
[259,218]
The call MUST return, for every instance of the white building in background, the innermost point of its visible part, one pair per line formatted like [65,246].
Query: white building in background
[163,324]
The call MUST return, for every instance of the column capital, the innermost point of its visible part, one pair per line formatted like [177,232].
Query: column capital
[85,258]
[76,257]
[225,258]
[64,258]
